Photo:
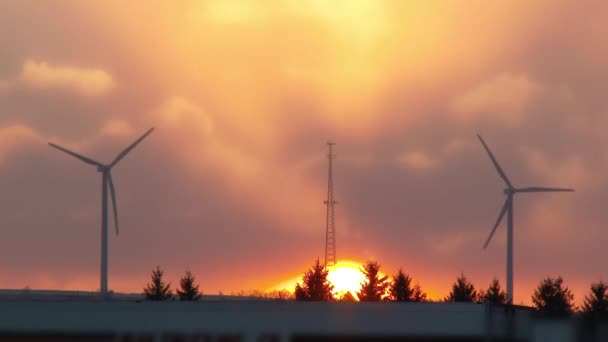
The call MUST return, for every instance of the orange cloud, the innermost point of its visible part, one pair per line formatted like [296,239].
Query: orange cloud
[117,127]
[506,97]
[13,136]
[417,160]
[86,82]
[569,171]
[4,86]
[247,171]
[185,125]
[180,113]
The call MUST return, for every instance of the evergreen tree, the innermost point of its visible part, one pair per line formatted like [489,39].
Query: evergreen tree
[373,289]
[596,303]
[156,289]
[552,298]
[315,286]
[188,290]
[494,294]
[348,297]
[417,294]
[401,288]
[462,291]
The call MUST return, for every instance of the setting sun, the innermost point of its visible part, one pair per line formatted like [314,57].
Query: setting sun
[346,276]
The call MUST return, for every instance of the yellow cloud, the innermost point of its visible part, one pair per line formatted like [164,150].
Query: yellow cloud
[230,10]
[86,82]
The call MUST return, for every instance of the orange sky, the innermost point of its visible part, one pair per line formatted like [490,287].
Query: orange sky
[244,95]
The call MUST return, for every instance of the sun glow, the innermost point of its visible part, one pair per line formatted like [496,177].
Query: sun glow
[346,276]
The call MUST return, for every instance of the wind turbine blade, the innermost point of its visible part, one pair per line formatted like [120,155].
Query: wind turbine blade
[113,194]
[540,189]
[74,154]
[128,149]
[495,162]
[502,214]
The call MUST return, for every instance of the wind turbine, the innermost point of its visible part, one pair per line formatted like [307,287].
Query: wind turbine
[106,181]
[507,208]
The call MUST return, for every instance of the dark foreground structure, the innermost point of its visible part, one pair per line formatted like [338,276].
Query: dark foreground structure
[65,317]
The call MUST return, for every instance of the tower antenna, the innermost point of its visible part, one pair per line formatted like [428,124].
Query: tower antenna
[330,222]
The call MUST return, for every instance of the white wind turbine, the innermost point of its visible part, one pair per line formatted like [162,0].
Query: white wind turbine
[510,191]
[106,181]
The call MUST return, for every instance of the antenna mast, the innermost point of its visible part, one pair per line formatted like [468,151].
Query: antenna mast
[330,222]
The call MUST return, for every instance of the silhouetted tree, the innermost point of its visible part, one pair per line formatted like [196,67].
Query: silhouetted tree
[373,289]
[417,294]
[401,289]
[494,294]
[315,286]
[188,289]
[596,303]
[552,298]
[252,293]
[462,291]
[348,297]
[156,289]
[279,295]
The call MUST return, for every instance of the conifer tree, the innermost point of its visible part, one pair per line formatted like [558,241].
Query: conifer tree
[156,290]
[494,294]
[348,297]
[462,291]
[417,294]
[315,285]
[373,289]
[553,298]
[188,289]
[596,303]
[401,289]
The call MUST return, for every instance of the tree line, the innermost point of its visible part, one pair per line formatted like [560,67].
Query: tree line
[158,290]
[551,297]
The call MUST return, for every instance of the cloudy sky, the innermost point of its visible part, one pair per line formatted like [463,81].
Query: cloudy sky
[244,95]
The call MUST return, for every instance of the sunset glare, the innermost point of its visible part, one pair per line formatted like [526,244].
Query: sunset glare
[346,276]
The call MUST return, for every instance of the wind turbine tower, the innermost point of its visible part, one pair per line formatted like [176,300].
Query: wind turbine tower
[106,182]
[507,208]
[330,222]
